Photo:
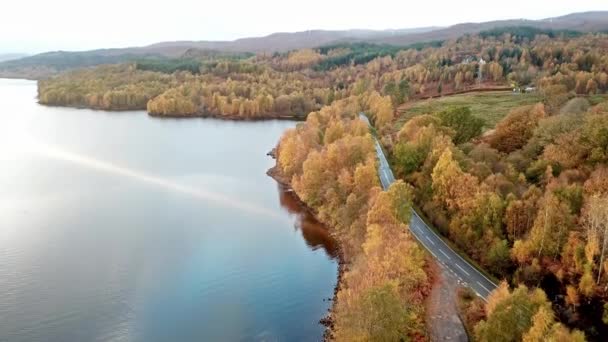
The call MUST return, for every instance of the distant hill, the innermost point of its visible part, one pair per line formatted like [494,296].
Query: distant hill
[49,63]
[581,22]
[11,56]
[282,41]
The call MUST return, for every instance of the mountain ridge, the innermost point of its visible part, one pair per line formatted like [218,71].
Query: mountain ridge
[52,62]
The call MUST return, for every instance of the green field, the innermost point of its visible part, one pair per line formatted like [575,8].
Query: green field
[597,98]
[490,106]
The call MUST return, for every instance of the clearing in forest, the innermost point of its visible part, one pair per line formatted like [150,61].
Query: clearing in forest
[489,106]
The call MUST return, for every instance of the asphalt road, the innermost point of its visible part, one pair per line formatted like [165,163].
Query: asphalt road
[445,255]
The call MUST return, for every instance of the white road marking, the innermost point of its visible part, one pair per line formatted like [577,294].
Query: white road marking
[443,242]
[462,269]
[485,288]
[386,182]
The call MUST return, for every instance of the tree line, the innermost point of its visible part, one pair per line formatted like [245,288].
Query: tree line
[305,80]
[330,162]
[528,200]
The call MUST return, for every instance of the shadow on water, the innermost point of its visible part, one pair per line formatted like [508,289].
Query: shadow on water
[314,232]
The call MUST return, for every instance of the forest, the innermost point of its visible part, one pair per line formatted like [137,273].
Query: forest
[330,162]
[524,195]
[525,200]
[295,83]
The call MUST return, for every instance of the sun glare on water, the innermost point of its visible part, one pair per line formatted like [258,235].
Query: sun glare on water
[30,145]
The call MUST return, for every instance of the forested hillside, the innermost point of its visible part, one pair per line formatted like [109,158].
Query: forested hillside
[50,63]
[520,188]
[330,162]
[294,83]
[524,199]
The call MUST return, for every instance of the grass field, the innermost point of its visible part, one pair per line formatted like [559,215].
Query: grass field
[595,99]
[490,106]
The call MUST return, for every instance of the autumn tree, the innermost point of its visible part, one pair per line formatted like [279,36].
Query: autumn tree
[515,129]
[596,222]
[594,138]
[381,108]
[377,315]
[399,92]
[409,155]
[549,232]
[451,186]
[520,214]
[461,120]
[555,96]
[545,328]
[523,314]
[510,315]
[495,71]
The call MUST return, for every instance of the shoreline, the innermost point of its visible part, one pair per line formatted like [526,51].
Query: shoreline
[229,117]
[265,117]
[433,269]
[327,320]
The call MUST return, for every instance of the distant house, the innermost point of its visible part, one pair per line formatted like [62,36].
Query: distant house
[518,89]
[464,57]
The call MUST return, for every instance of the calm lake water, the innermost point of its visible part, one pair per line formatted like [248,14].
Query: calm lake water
[123,227]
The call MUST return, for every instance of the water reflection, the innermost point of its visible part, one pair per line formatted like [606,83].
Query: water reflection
[122,227]
[314,232]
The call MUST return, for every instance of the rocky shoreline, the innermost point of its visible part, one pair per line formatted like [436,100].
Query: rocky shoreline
[328,320]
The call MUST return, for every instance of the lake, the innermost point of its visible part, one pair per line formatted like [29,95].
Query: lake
[116,226]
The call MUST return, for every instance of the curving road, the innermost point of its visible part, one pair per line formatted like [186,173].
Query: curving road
[445,255]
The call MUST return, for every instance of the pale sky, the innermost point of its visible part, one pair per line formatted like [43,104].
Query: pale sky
[36,26]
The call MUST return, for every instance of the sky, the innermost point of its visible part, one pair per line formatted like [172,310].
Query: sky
[28,26]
